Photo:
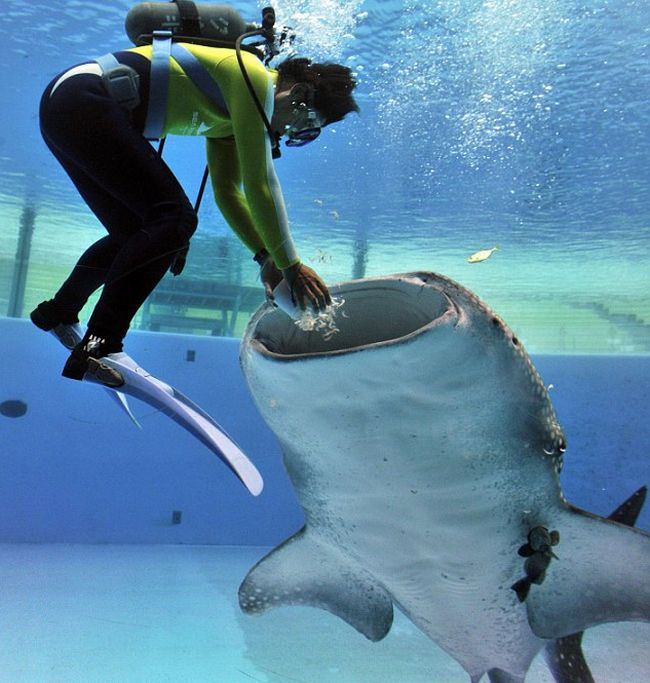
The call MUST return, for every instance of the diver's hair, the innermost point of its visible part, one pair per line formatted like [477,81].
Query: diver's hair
[333,85]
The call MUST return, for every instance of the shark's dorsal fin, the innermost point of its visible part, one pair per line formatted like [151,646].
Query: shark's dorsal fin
[566,661]
[306,570]
[628,512]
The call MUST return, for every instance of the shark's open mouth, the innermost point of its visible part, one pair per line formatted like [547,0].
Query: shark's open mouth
[376,311]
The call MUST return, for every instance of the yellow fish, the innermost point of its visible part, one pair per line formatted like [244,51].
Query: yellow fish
[481,255]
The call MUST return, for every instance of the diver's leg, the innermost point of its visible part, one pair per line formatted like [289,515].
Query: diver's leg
[87,276]
[60,314]
[90,271]
[116,157]
[140,264]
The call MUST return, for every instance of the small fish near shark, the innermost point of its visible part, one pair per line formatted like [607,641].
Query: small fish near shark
[483,255]
[424,449]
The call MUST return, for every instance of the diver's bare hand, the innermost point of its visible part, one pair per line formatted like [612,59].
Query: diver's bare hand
[307,288]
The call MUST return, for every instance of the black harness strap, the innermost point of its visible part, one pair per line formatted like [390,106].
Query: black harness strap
[199,196]
[189,15]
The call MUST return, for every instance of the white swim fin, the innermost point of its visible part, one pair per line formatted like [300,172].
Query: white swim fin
[142,385]
[70,336]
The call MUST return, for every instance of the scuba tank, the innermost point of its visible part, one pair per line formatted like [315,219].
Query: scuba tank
[212,25]
[218,23]
[206,24]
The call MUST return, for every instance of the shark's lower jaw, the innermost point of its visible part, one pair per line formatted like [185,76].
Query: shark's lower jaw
[424,449]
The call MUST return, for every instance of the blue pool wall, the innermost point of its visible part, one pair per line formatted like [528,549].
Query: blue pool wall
[73,469]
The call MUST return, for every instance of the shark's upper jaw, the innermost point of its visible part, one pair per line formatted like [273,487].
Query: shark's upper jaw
[379,312]
[407,307]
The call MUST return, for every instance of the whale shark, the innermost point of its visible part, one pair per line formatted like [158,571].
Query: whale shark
[424,449]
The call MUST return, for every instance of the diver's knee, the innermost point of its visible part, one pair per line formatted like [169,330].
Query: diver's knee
[176,220]
[188,223]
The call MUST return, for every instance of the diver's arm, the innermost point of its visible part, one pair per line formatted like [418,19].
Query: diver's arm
[226,182]
[263,193]
[261,186]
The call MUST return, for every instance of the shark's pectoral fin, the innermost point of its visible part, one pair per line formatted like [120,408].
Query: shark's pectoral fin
[307,571]
[601,577]
[564,656]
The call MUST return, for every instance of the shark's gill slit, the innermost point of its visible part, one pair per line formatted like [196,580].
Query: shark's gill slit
[405,307]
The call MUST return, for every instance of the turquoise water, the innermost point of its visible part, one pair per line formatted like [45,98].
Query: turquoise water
[520,124]
[60,628]
[99,584]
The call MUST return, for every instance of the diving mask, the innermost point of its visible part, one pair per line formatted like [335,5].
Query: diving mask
[304,127]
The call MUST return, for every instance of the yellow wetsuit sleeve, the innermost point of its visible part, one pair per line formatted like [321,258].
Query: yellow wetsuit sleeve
[226,186]
[255,170]
[238,146]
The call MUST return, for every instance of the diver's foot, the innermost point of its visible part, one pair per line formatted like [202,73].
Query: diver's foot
[87,361]
[48,317]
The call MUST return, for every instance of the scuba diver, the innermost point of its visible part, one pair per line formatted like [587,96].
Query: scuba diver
[97,118]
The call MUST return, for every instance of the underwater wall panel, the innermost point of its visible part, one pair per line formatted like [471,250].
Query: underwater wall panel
[74,469]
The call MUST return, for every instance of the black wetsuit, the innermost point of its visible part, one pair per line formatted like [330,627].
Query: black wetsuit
[128,187]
